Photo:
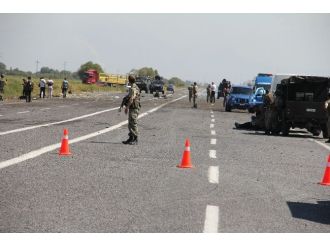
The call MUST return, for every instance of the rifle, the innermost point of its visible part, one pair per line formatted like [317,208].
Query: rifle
[124,102]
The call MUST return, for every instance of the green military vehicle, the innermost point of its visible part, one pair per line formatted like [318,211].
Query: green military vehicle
[143,83]
[298,102]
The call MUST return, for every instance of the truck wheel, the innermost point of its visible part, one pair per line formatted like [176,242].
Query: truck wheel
[324,129]
[285,129]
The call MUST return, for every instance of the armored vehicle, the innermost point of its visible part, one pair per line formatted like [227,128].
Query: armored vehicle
[298,101]
[157,85]
[143,83]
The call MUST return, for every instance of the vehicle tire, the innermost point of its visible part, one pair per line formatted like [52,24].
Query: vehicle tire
[316,132]
[251,110]
[324,129]
[228,109]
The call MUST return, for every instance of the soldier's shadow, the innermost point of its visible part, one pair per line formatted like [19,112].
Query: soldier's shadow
[319,212]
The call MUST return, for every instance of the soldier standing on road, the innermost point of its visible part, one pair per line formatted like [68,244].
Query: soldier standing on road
[28,89]
[327,107]
[65,86]
[42,85]
[194,94]
[190,92]
[133,107]
[208,93]
[24,87]
[2,85]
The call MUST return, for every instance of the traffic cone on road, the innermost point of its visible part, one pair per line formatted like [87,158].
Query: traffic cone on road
[186,163]
[65,150]
[326,178]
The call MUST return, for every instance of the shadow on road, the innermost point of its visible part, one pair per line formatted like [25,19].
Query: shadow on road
[319,212]
[107,142]
[291,135]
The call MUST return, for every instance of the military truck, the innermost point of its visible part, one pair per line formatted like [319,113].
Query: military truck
[157,86]
[298,102]
[143,83]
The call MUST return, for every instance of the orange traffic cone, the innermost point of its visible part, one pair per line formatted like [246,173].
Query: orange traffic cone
[186,163]
[65,150]
[326,178]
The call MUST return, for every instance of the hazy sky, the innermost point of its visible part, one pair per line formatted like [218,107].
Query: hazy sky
[201,47]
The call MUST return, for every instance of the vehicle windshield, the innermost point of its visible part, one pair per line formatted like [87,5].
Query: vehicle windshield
[241,90]
[265,86]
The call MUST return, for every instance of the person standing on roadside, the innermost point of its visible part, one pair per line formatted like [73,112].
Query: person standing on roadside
[208,93]
[133,108]
[2,85]
[213,88]
[194,94]
[28,89]
[42,85]
[190,92]
[65,86]
[50,84]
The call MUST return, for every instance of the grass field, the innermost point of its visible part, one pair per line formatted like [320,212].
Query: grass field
[14,89]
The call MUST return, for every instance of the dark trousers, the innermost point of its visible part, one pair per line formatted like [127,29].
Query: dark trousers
[212,97]
[64,92]
[43,92]
[28,96]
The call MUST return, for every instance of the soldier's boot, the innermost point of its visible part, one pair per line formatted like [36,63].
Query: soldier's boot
[134,141]
[130,139]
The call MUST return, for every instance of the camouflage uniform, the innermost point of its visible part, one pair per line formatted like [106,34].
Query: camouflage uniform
[190,92]
[134,102]
[194,92]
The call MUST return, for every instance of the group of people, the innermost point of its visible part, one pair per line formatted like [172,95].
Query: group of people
[28,86]
[210,93]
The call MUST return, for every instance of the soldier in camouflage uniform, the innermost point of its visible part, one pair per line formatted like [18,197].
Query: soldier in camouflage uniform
[133,107]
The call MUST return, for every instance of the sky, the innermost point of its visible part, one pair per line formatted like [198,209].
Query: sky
[197,47]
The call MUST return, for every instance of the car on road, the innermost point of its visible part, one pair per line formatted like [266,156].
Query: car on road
[170,88]
[256,99]
[238,98]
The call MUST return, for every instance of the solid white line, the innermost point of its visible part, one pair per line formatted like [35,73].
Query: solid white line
[214,174]
[211,219]
[213,141]
[54,123]
[212,116]
[213,132]
[22,112]
[213,154]
[211,126]
[212,120]
[49,148]
[320,143]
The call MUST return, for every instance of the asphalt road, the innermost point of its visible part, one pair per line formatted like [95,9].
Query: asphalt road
[242,181]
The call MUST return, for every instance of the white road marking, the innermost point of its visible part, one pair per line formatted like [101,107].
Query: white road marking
[213,154]
[213,141]
[214,174]
[43,109]
[1,115]
[22,112]
[320,143]
[62,106]
[212,116]
[211,111]
[212,132]
[212,120]
[54,123]
[211,126]
[211,219]
[50,148]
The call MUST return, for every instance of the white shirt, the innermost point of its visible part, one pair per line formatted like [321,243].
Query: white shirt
[213,87]
[42,83]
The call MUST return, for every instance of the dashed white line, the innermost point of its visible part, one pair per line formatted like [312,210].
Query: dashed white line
[213,174]
[62,106]
[212,120]
[43,109]
[211,112]
[213,154]
[212,116]
[211,219]
[49,148]
[211,126]
[22,112]
[213,132]
[213,141]
[1,115]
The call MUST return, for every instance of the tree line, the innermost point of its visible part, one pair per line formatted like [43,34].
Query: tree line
[79,74]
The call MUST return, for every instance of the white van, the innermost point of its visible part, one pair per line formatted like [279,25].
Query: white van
[276,79]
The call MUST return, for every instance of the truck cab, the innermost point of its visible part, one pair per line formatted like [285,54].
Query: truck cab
[261,84]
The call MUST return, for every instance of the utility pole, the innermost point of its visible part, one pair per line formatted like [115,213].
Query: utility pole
[37,64]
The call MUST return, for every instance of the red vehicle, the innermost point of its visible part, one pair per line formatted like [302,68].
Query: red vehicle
[91,76]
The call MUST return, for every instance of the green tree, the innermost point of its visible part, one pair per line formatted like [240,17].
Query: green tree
[87,66]
[145,71]
[176,81]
